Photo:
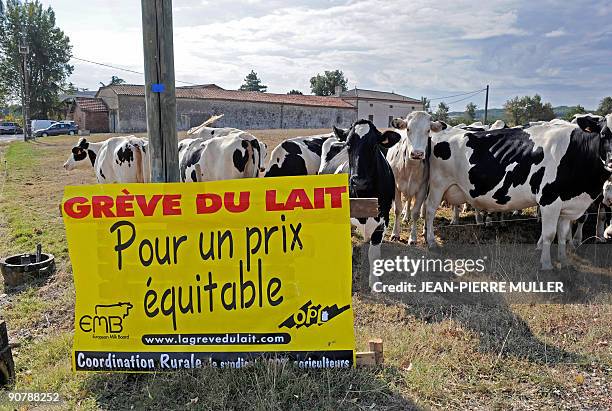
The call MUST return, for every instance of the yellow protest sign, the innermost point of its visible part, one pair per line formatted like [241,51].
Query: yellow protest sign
[218,274]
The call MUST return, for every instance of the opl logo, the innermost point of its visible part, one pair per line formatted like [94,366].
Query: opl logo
[108,319]
[309,314]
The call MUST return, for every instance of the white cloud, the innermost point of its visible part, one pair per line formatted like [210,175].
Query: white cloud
[555,33]
[415,48]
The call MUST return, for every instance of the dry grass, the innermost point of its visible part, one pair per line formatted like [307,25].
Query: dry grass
[461,357]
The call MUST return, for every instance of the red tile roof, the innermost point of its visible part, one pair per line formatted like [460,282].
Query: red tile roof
[91,104]
[209,93]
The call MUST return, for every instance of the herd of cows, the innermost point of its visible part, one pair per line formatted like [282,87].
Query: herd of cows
[562,167]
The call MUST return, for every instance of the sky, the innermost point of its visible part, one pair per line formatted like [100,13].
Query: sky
[559,49]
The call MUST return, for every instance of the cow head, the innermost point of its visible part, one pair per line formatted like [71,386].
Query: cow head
[602,126]
[607,193]
[79,156]
[418,124]
[363,142]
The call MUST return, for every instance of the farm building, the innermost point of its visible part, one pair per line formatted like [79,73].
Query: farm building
[241,109]
[89,113]
[380,107]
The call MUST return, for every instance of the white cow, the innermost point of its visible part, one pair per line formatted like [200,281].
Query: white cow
[116,160]
[410,166]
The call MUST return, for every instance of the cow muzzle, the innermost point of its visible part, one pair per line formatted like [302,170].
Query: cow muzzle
[417,155]
[69,165]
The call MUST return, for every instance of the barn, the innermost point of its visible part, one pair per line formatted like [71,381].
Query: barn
[242,109]
[89,113]
[380,107]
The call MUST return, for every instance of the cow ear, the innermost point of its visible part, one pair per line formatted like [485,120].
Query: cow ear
[340,133]
[399,123]
[437,126]
[588,124]
[389,138]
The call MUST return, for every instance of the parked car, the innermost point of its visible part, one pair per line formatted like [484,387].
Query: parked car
[40,124]
[57,129]
[9,127]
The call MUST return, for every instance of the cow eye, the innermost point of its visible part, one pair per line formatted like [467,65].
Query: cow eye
[75,150]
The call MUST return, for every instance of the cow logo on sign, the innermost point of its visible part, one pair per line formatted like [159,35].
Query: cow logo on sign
[107,319]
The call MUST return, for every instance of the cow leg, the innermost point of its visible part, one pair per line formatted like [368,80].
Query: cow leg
[563,227]
[601,223]
[374,251]
[397,225]
[419,201]
[577,240]
[432,203]
[455,218]
[550,218]
[406,212]
[479,216]
[423,210]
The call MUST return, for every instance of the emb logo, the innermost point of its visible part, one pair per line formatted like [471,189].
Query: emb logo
[108,319]
[309,314]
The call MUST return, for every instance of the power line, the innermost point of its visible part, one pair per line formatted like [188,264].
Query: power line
[124,69]
[465,98]
[457,95]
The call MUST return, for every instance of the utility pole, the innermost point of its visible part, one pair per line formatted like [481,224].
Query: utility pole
[160,93]
[25,99]
[486,105]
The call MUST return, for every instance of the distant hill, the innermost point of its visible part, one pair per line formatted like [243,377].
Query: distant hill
[499,113]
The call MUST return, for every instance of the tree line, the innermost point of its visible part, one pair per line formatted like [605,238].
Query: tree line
[320,85]
[517,111]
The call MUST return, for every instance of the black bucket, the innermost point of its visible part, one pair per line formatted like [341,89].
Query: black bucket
[17,269]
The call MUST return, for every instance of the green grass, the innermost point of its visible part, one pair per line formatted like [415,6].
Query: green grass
[467,357]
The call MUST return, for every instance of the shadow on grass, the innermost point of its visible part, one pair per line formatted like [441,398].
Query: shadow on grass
[261,386]
[489,315]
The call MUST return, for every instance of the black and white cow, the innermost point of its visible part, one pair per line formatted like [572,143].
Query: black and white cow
[357,151]
[561,168]
[116,160]
[410,167]
[237,155]
[298,156]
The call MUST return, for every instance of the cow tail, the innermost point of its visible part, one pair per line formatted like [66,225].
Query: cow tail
[139,165]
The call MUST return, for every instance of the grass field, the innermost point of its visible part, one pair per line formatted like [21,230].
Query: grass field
[530,356]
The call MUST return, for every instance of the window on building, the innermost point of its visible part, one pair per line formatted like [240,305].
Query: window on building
[371,117]
[371,105]
[391,106]
[412,108]
[390,120]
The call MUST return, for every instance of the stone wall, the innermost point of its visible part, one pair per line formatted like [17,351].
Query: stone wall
[243,115]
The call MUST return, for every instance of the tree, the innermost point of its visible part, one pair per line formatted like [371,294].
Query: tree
[441,113]
[253,83]
[526,109]
[325,84]
[295,92]
[470,112]
[573,111]
[114,81]
[47,60]
[605,106]
[426,104]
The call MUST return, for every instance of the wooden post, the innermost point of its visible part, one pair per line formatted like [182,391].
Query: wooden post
[363,207]
[486,113]
[376,345]
[7,366]
[160,93]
